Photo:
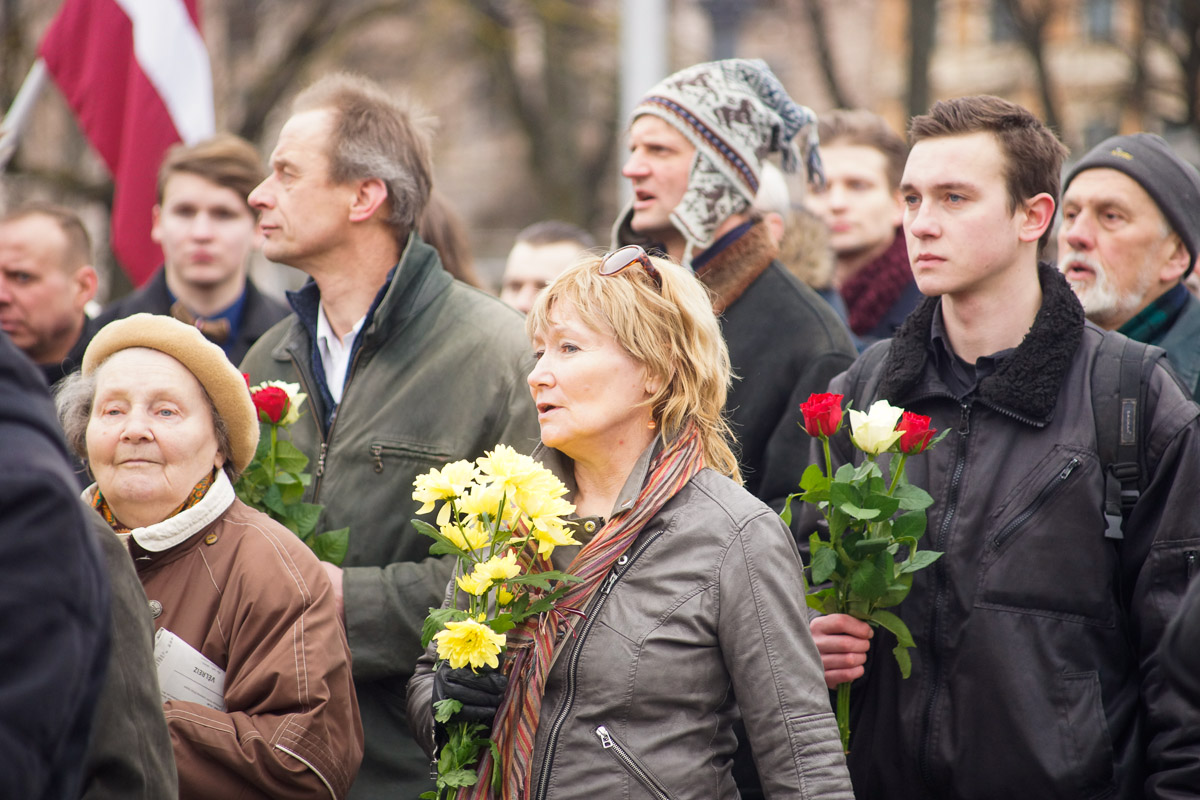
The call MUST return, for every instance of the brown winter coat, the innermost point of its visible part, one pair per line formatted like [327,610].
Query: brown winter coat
[250,596]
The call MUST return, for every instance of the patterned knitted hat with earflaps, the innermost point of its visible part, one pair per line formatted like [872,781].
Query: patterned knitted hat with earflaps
[736,113]
[206,361]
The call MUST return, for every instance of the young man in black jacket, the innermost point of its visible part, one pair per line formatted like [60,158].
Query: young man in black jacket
[1035,672]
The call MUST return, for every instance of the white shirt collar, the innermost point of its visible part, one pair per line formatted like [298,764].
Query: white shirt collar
[181,527]
[335,352]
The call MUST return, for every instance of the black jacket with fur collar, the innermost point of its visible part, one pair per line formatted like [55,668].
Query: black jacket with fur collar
[1036,672]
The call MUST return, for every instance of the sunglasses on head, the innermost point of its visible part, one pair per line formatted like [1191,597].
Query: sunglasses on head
[618,260]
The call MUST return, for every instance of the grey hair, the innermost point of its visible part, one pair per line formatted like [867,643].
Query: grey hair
[73,400]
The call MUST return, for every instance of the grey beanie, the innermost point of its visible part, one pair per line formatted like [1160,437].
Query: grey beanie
[1173,183]
[736,113]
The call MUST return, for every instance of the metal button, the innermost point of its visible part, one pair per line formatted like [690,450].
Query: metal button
[155,609]
[210,539]
[623,560]
[589,526]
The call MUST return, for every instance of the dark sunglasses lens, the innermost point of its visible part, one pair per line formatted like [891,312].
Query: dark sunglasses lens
[619,260]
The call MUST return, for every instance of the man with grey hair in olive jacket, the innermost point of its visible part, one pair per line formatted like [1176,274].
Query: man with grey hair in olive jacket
[406,370]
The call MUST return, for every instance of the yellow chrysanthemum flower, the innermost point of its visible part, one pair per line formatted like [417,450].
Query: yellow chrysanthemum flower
[550,534]
[469,537]
[503,597]
[444,484]
[481,499]
[508,469]
[474,584]
[499,568]
[469,642]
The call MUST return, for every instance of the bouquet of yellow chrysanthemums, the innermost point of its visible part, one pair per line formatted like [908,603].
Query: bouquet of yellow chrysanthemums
[501,517]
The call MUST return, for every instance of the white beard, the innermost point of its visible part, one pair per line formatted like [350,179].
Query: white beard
[1102,300]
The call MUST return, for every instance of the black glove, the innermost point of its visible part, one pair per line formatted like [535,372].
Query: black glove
[480,693]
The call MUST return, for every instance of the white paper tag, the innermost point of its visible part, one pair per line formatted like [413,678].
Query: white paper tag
[185,674]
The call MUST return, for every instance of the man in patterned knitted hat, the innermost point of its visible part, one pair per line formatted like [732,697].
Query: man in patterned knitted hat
[697,143]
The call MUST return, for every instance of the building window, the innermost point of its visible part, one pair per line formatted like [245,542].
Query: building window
[1099,20]
[1004,26]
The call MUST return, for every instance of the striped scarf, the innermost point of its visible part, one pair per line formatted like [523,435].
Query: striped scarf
[531,645]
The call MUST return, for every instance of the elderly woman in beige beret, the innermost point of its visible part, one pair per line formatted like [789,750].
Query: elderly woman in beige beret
[165,423]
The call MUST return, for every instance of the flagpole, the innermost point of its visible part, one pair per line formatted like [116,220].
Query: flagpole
[18,113]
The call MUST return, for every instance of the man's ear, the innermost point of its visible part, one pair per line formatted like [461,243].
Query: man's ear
[898,217]
[155,217]
[1177,262]
[85,282]
[369,195]
[1038,213]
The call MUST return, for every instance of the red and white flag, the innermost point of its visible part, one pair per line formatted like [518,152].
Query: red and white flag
[136,74]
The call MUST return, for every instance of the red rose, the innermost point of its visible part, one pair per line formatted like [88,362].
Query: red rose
[822,414]
[271,402]
[916,433]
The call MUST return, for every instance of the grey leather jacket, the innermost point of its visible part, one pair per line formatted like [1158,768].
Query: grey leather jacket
[702,619]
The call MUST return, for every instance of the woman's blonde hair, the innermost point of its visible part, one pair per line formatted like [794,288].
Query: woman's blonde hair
[671,331]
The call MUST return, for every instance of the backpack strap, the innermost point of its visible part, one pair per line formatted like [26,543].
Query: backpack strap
[1120,374]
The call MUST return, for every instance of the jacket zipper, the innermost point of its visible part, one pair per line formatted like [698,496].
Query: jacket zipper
[319,470]
[1045,494]
[1189,560]
[940,581]
[631,764]
[573,666]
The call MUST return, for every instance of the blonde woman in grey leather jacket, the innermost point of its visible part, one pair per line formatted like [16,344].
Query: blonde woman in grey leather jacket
[691,611]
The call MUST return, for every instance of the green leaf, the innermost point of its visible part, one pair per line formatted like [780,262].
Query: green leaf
[844,474]
[859,513]
[503,623]
[920,560]
[896,625]
[871,546]
[896,592]
[913,498]
[273,500]
[541,580]
[887,505]
[903,659]
[331,546]
[813,478]
[786,513]
[824,562]
[443,710]
[289,458]
[910,525]
[436,621]
[441,545]
[430,795]
[522,609]
[868,582]
[815,602]
[458,777]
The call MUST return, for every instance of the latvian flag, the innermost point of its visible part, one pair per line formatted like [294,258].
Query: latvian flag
[136,74]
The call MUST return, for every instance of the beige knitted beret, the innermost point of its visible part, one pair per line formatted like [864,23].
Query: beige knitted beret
[221,379]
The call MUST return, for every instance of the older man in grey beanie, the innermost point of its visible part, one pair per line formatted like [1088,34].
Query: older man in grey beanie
[697,142]
[1130,234]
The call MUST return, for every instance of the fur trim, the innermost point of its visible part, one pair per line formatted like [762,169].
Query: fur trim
[1027,382]
[730,272]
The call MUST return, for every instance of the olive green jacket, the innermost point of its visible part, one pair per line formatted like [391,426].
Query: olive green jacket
[438,374]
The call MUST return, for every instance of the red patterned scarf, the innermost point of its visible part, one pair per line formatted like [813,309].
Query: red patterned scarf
[531,646]
[875,288]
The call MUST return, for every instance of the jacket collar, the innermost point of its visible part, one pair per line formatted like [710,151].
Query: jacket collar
[1026,382]
[727,268]
[178,529]
[417,280]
